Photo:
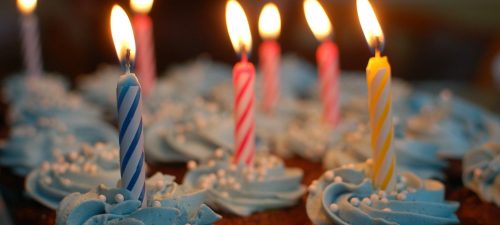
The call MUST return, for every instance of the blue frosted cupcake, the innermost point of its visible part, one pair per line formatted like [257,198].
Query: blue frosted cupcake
[167,203]
[76,171]
[30,144]
[346,196]
[20,86]
[242,190]
[481,172]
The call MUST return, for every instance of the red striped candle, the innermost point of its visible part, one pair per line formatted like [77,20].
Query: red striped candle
[244,117]
[328,69]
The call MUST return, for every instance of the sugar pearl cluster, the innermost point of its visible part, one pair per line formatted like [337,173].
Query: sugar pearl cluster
[231,177]
[85,161]
[314,141]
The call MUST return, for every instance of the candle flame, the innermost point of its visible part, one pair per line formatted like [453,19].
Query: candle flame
[370,25]
[141,6]
[317,19]
[123,35]
[237,27]
[26,6]
[270,22]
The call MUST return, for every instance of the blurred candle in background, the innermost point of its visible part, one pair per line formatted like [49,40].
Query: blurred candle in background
[327,57]
[243,80]
[143,29]
[269,55]
[378,77]
[129,100]
[30,37]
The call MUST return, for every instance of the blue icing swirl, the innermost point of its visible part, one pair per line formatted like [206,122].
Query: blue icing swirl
[481,172]
[242,190]
[100,87]
[185,131]
[346,196]
[452,124]
[352,146]
[29,145]
[167,203]
[75,171]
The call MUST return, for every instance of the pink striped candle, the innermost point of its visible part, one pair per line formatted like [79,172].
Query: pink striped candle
[327,57]
[143,30]
[244,118]
[328,69]
[269,55]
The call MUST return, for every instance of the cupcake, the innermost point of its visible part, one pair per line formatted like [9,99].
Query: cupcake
[241,190]
[183,131]
[352,146]
[99,88]
[347,196]
[20,86]
[29,145]
[75,171]
[452,124]
[481,172]
[167,203]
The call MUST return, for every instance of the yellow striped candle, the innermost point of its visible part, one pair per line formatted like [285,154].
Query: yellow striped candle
[378,77]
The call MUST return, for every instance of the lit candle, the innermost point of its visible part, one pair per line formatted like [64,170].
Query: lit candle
[143,28]
[30,36]
[243,80]
[327,59]
[128,91]
[378,77]
[269,54]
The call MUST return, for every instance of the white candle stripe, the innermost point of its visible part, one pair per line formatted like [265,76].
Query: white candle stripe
[128,100]
[132,130]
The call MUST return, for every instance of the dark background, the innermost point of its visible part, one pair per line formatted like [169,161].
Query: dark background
[453,40]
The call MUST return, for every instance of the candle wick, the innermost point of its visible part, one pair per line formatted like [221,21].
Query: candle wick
[127,61]
[378,46]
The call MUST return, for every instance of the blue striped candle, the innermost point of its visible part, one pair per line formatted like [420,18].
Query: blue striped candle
[132,165]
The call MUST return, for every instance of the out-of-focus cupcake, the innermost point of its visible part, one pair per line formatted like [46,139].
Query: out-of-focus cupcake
[75,171]
[241,190]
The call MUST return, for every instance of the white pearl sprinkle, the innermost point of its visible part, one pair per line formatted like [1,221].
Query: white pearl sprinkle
[102,197]
[73,156]
[355,201]
[411,190]
[119,198]
[237,186]
[401,196]
[477,172]
[366,201]
[211,163]
[45,166]
[156,204]
[337,179]
[403,179]
[225,194]
[329,175]
[386,210]
[219,153]
[393,193]
[221,173]
[311,188]
[384,200]
[374,197]
[191,165]
[334,207]
[159,184]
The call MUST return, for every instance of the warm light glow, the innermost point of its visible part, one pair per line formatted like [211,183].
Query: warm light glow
[26,6]
[123,35]
[141,6]
[237,27]
[369,24]
[269,22]
[317,19]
